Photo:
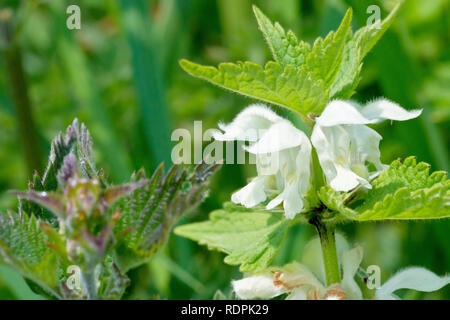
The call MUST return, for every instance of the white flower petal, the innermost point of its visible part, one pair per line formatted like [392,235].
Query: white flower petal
[296,275]
[367,145]
[283,159]
[292,203]
[252,194]
[383,109]
[414,278]
[247,123]
[344,152]
[295,169]
[350,262]
[346,180]
[297,294]
[281,135]
[275,201]
[324,151]
[339,112]
[256,287]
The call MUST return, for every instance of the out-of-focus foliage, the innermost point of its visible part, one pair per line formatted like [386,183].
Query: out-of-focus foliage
[114,79]
[73,217]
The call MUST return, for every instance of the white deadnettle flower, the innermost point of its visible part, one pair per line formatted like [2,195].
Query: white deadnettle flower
[414,278]
[346,146]
[305,280]
[300,283]
[283,159]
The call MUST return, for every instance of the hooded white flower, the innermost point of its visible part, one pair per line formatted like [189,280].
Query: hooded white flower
[414,278]
[300,283]
[348,150]
[283,159]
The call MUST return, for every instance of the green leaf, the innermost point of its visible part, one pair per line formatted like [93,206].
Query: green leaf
[62,162]
[288,87]
[334,201]
[407,191]
[112,282]
[250,238]
[368,36]
[27,249]
[347,78]
[335,59]
[303,78]
[61,146]
[325,58]
[148,214]
[285,47]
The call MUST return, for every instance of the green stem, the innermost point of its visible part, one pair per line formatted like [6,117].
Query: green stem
[89,284]
[328,244]
[88,278]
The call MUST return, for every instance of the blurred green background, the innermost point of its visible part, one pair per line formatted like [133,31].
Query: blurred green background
[119,74]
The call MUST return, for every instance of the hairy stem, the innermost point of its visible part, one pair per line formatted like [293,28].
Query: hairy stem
[89,284]
[328,244]
[88,277]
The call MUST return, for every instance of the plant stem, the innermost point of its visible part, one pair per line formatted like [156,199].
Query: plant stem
[89,283]
[328,244]
[88,278]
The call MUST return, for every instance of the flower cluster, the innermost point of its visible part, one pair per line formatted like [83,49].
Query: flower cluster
[305,281]
[347,150]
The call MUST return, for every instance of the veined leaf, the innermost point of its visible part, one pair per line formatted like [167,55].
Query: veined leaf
[147,215]
[27,249]
[250,238]
[285,47]
[288,87]
[335,201]
[407,191]
[76,141]
[347,78]
[325,58]
[112,282]
[368,36]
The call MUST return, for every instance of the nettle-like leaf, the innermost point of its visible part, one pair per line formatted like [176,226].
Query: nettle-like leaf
[147,215]
[285,46]
[326,56]
[72,216]
[286,86]
[26,247]
[77,141]
[334,60]
[356,48]
[368,36]
[250,238]
[335,201]
[405,191]
[112,282]
[347,78]
[303,78]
